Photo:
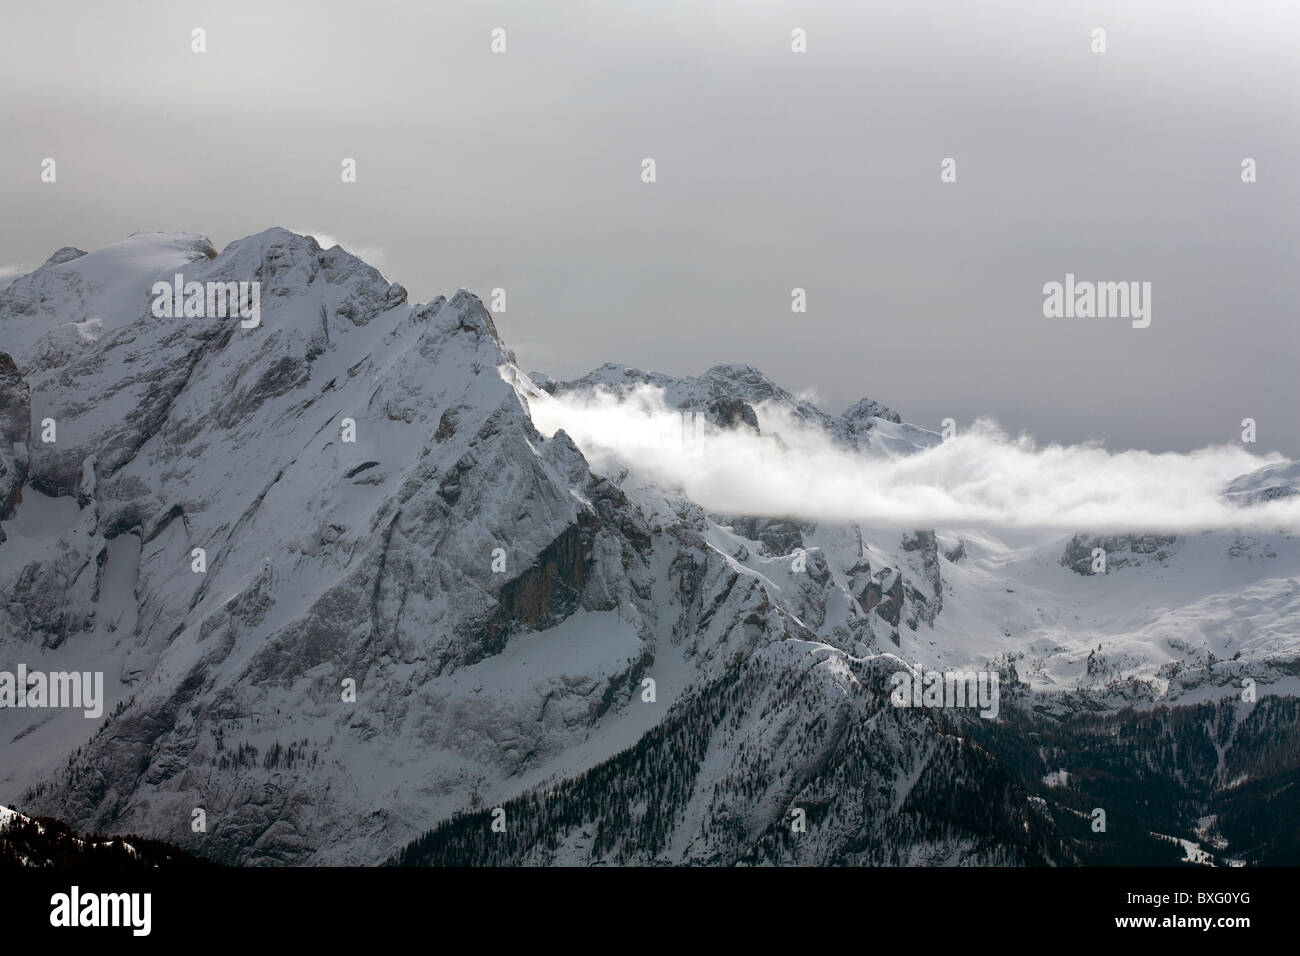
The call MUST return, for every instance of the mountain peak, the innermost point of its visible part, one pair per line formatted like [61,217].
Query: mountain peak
[865,408]
[66,254]
[737,372]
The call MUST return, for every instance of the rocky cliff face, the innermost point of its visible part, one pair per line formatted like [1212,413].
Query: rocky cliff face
[341,589]
[15,419]
[1118,551]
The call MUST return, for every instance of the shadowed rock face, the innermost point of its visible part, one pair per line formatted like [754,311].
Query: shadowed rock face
[776,536]
[908,595]
[551,588]
[922,541]
[15,419]
[732,413]
[927,598]
[1121,550]
[885,594]
[15,401]
[66,254]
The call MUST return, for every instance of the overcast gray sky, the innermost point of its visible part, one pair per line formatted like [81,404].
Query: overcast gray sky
[775,169]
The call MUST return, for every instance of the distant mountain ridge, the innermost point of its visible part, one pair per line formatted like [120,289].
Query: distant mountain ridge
[43,842]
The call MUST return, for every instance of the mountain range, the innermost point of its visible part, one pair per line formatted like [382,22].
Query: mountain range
[353,606]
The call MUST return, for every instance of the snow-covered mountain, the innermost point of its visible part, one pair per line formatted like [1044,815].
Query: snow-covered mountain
[412,607]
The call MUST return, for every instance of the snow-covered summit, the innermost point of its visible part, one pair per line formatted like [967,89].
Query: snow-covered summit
[1280,480]
[371,501]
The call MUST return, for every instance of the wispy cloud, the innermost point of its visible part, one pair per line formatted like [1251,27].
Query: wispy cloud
[810,395]
[981,477]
